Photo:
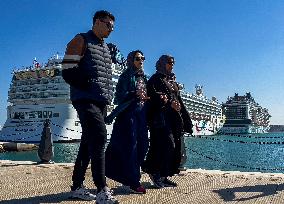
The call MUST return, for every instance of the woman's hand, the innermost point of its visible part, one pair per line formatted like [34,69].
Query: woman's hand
[164,98]
[175,105]
[142,95]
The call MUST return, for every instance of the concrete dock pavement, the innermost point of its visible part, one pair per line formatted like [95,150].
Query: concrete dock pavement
[27,182]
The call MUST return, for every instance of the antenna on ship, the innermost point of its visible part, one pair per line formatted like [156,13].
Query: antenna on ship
[56,56]
[36,64]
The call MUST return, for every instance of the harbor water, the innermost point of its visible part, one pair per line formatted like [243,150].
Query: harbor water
[251,153]
[254,152]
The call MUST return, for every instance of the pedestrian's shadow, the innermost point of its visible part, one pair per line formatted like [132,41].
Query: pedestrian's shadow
[50,198]
[228,194]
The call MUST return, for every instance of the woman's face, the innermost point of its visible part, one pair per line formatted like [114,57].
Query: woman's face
[139,60]
[170,65]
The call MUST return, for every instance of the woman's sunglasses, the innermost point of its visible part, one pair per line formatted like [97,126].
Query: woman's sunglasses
[171,62]
[139,58]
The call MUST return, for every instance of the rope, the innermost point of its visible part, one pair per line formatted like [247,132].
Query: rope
[62,136]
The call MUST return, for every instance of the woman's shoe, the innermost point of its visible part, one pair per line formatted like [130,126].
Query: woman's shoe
[139,190]
[168,183]
[182,168]
[157,181]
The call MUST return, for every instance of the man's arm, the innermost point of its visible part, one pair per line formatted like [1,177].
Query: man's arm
[70,65]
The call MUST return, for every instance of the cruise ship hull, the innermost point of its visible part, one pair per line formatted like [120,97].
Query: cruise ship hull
[25,123]
[243,130]
[203,127]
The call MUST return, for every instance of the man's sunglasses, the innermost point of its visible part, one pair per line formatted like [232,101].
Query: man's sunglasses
[108,24]
[139,58]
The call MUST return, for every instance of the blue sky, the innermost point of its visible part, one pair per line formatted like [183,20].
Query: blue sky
[228,46]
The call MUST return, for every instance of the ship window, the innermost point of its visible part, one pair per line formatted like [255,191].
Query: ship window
[22,115]
[44,113]
[77,123]
[49,114]
[17,115]
[32,114]
[39,114]
[56,115]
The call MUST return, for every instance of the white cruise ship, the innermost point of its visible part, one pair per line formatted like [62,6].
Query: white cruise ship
[39,92]
[206,114]
[245,116]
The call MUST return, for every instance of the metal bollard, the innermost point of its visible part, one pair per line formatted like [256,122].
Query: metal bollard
[45,151]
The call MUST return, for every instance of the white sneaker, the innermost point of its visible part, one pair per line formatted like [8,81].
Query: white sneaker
[82,194]
[105,197]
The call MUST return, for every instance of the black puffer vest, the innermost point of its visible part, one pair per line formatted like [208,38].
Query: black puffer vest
[96,64]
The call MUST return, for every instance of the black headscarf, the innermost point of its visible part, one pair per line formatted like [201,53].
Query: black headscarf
[169,78]
[161,64]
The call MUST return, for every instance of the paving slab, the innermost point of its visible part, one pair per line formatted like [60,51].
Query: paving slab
[28,182]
